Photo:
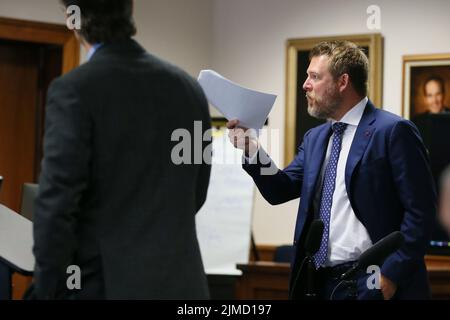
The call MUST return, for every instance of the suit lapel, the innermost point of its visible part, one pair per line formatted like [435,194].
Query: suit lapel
[362,137]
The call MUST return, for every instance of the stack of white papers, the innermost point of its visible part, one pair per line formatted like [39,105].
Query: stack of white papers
[250,107]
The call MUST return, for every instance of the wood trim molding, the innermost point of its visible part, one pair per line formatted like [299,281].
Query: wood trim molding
[45,33]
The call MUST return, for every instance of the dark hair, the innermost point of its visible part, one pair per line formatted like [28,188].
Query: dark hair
[438,80]
[104,21]
[345,57]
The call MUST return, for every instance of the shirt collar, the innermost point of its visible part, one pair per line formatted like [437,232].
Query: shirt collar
[92,50]
[354,115]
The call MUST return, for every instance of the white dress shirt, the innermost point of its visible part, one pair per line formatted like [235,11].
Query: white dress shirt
[348,237]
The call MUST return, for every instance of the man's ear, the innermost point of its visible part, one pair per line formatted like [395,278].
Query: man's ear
[343,82]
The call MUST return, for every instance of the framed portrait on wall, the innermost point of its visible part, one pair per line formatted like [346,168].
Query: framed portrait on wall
[426,80]
[426,102]
[297,119]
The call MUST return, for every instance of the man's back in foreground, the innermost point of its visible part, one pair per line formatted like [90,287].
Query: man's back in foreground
[111,199]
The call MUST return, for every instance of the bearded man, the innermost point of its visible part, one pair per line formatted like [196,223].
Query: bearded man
[364,173]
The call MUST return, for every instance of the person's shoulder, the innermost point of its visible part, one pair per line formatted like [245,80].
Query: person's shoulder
[102,67]
[74,75]
[387,123]
[94,73]
[386,119]
[171,73]
[75,78]
[65,81]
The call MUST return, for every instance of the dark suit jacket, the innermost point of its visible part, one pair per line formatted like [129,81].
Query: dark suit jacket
[111,200]
[389,185]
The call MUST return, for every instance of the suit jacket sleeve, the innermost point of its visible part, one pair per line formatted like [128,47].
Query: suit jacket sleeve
[415,187]
[64,176]
[205,166]
[278,186]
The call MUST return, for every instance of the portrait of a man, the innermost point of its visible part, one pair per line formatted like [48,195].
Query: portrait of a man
[434,94]
[433,122]
[427,114]
[426,102]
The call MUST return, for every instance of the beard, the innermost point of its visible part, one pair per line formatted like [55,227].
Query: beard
[325,106]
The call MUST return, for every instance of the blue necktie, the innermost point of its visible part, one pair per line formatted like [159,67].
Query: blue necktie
[326,200]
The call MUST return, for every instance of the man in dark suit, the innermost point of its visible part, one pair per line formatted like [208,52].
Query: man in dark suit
[111,199]
[364,173]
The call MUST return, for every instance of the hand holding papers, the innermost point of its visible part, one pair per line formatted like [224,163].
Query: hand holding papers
[235,102]
[244,140]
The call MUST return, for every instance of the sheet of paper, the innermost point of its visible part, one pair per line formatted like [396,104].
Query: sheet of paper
[236,102]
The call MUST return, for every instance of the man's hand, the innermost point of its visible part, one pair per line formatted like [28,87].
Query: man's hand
[243,138]
[388,288]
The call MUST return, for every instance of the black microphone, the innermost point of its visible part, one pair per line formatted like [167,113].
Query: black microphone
[312,244]
[376,254]
[314,237]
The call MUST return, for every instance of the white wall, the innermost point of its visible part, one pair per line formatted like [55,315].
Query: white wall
[177,31]
[249,47]
[45,10]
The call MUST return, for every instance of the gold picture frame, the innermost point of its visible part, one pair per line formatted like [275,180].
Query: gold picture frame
[416,70]
[297,57]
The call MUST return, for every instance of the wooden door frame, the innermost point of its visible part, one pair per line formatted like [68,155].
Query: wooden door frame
[44,33]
